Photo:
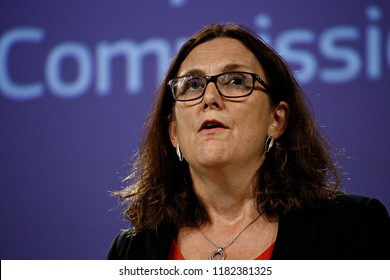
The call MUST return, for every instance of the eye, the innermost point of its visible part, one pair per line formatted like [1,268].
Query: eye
[193,83]
[234,80]
[237,81]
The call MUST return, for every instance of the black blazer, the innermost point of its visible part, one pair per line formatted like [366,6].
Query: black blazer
[350,227]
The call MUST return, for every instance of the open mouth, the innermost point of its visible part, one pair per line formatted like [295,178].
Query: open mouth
[211,124]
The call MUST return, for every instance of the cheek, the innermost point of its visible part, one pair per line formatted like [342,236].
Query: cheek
[255,126]
[184,125]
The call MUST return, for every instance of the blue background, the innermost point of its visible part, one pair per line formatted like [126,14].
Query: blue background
[77,79]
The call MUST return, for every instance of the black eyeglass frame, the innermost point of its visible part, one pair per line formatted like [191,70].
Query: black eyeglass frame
[213,79]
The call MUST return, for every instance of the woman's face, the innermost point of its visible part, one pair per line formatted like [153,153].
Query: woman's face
[243,123]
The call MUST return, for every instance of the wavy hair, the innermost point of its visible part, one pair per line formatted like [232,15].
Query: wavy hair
[298,172]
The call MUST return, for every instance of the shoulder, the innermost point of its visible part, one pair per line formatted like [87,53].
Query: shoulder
[345,227]
[120,245]
[141,245]
[343,207]
[351,207]
[359,223]
[352,212]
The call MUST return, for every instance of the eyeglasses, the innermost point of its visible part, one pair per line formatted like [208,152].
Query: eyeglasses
[229,84]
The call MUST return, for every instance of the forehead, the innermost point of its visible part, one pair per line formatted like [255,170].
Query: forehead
[220,55]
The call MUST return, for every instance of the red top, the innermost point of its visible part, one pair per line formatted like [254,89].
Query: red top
[175,254]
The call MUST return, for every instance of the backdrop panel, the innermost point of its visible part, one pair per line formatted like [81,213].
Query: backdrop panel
[77,79]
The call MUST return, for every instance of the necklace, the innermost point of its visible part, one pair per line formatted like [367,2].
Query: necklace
[220,250]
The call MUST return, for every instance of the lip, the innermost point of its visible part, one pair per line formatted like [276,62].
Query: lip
[221,125]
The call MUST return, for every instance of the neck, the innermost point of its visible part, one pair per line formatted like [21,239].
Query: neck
[227,193]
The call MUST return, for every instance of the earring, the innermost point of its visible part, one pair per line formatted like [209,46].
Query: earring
[178,152]
[269,143]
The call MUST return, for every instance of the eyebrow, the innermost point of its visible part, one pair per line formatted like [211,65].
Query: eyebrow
[235,67]
[226,68]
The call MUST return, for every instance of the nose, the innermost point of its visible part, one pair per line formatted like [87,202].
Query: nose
[212,98]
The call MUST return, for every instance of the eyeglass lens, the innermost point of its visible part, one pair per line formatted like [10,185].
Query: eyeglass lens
[232,84]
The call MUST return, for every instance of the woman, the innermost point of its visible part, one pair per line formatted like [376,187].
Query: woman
[232,166]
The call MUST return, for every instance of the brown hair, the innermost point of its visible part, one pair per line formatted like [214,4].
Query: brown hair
[298,171]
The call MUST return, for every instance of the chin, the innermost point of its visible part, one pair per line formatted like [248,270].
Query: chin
[211,153]
[212,159]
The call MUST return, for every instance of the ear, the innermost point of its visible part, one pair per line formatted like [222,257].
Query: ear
[279,120]
[172,130]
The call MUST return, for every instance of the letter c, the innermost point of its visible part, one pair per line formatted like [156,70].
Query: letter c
[8,87]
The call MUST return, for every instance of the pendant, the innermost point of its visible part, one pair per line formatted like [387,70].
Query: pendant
[219,252]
